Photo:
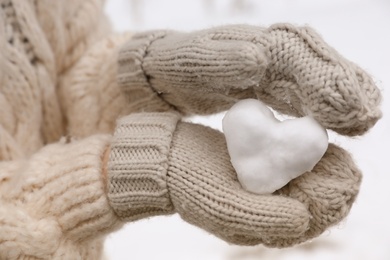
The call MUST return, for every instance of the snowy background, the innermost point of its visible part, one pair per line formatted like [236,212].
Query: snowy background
[358,29]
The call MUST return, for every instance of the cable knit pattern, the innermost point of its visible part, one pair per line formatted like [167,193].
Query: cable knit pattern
[67,216]
[20,91]
[71,27]
[29,82]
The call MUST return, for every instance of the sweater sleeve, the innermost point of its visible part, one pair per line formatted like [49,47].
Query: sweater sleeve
[71,27]
[90,88]
[54,197]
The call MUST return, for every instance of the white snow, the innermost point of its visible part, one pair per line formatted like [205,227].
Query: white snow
[359,30]
[267,153]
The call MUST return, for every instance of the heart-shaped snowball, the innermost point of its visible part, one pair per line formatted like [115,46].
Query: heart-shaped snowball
[267,153]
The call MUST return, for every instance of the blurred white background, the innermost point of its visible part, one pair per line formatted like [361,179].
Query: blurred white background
[359,30]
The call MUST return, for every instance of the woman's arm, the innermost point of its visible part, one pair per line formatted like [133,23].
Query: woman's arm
[53,205]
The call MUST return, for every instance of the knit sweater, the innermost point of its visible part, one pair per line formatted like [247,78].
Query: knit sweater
[72,92]
[52,199]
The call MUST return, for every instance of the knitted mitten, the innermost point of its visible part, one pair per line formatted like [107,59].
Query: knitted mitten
[158,166]
[290,68]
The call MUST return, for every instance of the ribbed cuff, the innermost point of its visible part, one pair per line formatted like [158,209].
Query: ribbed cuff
[138,165]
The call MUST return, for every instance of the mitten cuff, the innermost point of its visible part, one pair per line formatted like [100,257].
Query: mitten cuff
[138,165]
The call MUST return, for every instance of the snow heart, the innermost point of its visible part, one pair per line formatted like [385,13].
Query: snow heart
[267,153]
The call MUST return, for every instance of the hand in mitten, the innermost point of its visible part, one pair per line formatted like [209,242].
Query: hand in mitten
[158,166]
[290,68]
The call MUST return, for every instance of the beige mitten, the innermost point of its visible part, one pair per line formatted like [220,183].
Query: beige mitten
[200,72]
[290,68]
[160,166]
[306,76]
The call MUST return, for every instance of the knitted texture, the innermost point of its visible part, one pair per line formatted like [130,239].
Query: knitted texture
[53,206]
[58,70]
[187,169]
[290,68]
[205,191]
[328,191]
[40,41]
[52,202]
[138,165]
[71,27]
[89,88]
[201,72]
[315,80]
[131,76]
[57,77]
[20,89]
